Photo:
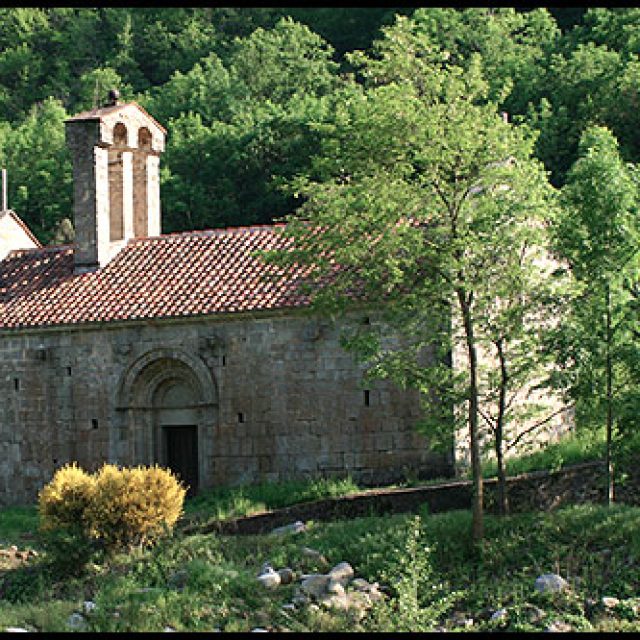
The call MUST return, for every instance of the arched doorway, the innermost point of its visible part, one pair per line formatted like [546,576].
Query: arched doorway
[175,404]
[168,409]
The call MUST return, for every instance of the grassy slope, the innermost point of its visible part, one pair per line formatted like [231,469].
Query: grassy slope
[595,548]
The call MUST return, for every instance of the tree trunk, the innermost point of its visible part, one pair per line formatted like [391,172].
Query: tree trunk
[476,468]
[609,376]
[503,502]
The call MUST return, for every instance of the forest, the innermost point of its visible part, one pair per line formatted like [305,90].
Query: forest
[247,93]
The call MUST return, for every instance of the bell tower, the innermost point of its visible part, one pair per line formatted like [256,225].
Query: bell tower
[116,179]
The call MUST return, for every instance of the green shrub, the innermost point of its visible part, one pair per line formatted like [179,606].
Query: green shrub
[419,599]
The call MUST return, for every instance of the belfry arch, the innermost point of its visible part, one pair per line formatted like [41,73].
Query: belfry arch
[167,412]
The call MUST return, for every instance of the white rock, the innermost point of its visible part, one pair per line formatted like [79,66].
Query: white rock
[76,621]
[342,572]
[315,584]
[335,586]
[335,601]
[558,626]
[499,615]
[550,583]
[360,584]
[259,630]
[609,602]
[294,527]
[288,606]
[270,580]
[88,606]
[15,630]
[168,630]
[299,599]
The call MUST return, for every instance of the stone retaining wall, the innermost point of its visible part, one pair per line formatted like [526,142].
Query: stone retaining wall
[538,490]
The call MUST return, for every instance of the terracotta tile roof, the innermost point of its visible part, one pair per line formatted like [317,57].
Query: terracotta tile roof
[99,112]
[173,275]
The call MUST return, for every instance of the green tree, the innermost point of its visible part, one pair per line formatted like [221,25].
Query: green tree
[589,85]
[529,294]
[598,235]
[419,193]
[39,167]
[235,134]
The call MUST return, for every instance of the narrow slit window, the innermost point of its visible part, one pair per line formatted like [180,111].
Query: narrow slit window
[224,361]
[241,417]
[367,398]
[68,371]
[94,423]
[16,384]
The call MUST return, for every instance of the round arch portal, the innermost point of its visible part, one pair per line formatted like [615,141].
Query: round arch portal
[168,413]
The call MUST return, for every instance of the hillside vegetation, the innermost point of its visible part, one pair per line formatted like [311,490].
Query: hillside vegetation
[235,136]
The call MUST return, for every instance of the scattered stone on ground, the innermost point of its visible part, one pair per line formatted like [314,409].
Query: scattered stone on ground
[286,575]
[88,606]
[342,573]
[168,630]
[461,619]
[337,589]
[609,602]
[315,584]
[499,615]
[270,578]
[313,555]
[559,626]
[534,613]
[294,527]
[76,621]
[16,630]
[13,557]
[259,630]
[550,583]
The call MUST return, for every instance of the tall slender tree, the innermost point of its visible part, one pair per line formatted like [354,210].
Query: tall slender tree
[598,234]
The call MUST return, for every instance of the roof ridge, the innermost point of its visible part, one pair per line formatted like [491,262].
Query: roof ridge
[209,232]
[42,249]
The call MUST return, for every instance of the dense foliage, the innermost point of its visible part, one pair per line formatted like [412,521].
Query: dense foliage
[243,91]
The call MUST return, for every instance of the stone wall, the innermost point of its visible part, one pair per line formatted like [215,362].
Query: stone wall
[535,491]
[275,398]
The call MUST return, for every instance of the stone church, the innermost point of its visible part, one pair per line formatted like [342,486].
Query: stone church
[136,347]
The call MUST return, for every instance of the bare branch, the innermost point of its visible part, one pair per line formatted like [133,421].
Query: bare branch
[537,425]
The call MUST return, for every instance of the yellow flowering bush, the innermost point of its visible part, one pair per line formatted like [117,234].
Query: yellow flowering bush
[134,506]
[63,502]
[117,507]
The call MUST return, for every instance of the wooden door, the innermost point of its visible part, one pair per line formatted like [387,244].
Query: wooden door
[181,446]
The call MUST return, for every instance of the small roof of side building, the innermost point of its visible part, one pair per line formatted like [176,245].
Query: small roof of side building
[169,276]
[15,234]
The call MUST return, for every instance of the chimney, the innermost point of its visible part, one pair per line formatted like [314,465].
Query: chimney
[116,179]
